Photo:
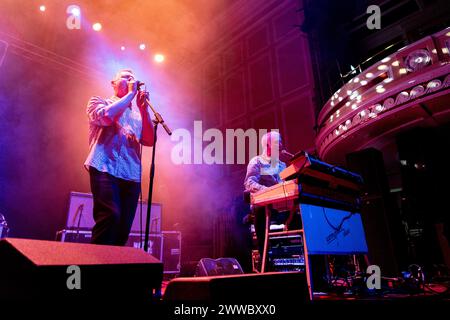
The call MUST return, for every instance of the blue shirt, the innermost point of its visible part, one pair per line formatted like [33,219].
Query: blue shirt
[261,175]
[114,148]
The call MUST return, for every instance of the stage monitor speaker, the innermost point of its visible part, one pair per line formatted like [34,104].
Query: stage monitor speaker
[41,270]
[218,267]
[271,287]
[79,215]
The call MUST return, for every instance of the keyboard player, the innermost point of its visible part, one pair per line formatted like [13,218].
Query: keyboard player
[261,174]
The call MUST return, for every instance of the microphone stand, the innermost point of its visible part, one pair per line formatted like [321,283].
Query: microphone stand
[158,120]
[81,207]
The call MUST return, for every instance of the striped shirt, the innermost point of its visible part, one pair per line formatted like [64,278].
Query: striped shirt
[114,148]
[261,175]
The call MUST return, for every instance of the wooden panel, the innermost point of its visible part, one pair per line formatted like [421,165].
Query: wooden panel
[258,40]
[233,57]
[265,120]
[287,22]
[261,83]
[292,65]
[212,72]
[298,118]
[234,96]
[212,102]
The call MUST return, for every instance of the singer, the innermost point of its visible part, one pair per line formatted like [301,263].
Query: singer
[257,179]
[117,129]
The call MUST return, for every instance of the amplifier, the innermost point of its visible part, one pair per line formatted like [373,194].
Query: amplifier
[286,253]
[79,215]
[171,251]
[165,246]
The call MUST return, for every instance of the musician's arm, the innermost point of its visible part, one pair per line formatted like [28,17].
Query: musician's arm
[252,178]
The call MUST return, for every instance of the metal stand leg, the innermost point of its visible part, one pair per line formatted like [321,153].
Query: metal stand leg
[307,263]
[266,240]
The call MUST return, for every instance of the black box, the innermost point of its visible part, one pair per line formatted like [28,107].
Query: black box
[171,251]
[165,246]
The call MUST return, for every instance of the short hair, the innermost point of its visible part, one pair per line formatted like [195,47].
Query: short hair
[269,135]
[120,71]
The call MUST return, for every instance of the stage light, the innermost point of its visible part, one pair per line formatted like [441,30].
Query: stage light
[122,48]
[380,89]
[379,108]
[402,71]
[382,67]
[97,26]
[42,8]
[363,82]
[159,58]
[142,46]
[369,75]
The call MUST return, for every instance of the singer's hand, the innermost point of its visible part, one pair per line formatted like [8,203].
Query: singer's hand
[141,100]
[132,87]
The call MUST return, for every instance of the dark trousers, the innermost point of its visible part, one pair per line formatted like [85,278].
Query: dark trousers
[115,203]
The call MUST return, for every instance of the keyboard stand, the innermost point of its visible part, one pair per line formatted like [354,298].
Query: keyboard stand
[268,234]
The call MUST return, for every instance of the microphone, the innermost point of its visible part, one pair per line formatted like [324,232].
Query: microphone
[286,153]
[140,84]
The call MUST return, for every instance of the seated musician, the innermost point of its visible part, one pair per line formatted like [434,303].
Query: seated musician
[263,171]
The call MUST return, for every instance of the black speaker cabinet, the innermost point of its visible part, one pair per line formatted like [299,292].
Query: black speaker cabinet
[218,267]
[41,270]
[271,287]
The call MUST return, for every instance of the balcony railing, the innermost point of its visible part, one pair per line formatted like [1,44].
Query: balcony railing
[416,72]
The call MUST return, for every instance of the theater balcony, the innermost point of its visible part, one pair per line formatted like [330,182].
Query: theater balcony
[410,88]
